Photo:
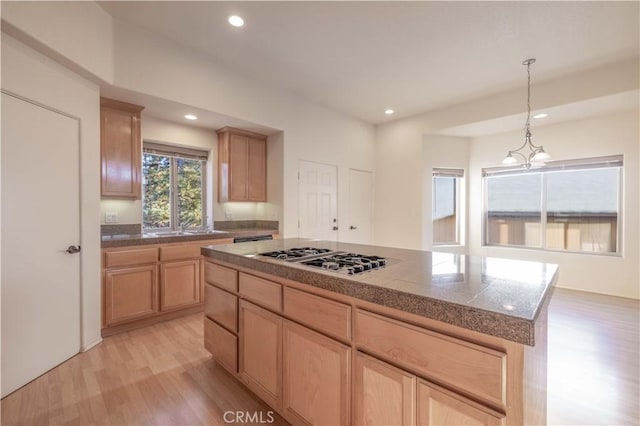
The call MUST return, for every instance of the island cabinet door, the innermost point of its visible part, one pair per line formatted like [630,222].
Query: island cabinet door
[260,335]
[443,408]
[384,395]
[315,377]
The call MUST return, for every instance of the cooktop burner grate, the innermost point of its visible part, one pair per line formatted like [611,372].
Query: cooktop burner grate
[348,263]
[296,253]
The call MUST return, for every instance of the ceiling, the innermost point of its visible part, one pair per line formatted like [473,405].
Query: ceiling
[364,57]
[175,112]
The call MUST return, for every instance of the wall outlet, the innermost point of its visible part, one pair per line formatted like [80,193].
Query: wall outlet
[228,216]
[111,217]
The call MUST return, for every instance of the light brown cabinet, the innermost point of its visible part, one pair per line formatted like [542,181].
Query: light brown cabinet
[260,337]
[222,344]
[320,359]
[222,307]
[142,285]
[130,293]
[179,284]
[316,382]
[120,149]
[384,395]
[437,407]
[242,165]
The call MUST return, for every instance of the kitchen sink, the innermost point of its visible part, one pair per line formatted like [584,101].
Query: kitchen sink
[204,231]
[187,232]
[166,233]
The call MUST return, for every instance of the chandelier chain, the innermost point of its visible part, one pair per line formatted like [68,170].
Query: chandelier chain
[528,96]
[532,153]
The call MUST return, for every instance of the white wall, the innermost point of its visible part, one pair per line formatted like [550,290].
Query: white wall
[83,33]
[158,130]
[598,136]
[36,77]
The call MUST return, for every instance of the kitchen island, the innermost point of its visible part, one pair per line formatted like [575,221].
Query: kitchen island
[421,337]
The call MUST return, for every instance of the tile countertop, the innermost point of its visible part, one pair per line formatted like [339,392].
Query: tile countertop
[123,240]
[495,296]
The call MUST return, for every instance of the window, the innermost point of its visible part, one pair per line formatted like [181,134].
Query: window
[173,187]
[564,205]
[445,212]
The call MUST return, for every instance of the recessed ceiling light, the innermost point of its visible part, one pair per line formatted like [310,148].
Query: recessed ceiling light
[190,117]
[236,21]
[389,111]
[541,115]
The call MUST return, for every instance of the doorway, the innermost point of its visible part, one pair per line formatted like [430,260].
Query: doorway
[360,206]
[317,201]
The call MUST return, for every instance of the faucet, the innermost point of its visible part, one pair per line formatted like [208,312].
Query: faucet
[187,222]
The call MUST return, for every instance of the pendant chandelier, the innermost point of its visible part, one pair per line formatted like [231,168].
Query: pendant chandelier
[528,152]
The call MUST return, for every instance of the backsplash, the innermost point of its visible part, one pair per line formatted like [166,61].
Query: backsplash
[120,229]
[241,224]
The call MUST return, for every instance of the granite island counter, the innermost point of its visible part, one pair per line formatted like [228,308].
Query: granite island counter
[432,338]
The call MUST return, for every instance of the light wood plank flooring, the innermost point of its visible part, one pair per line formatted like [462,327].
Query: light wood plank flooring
[161,375]
[594,361]
[158,375]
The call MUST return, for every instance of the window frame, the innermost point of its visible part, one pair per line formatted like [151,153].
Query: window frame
[458,174]
[174,152]
[612,161]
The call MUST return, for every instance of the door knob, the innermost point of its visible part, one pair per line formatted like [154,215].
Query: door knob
[72,250]
[353,227]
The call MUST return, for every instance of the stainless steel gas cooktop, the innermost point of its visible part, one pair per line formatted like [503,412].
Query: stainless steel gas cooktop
[346,263]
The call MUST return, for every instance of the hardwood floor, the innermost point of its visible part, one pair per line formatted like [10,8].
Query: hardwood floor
[161,375]
[158,375]
[594,361]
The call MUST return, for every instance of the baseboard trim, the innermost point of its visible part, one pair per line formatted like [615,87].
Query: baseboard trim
[85,348]
[109,331]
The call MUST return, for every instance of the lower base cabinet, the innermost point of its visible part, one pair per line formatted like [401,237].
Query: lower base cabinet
[179,284]
[130,293]
[280,352]
[384,395]
[222,344]
[261,352]
[315,377]
[438,408]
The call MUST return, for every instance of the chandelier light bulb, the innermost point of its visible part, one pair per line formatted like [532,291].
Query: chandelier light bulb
[509,160]
[541,156]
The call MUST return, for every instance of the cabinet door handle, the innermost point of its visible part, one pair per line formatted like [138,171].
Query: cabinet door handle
[335,228]
[353,227]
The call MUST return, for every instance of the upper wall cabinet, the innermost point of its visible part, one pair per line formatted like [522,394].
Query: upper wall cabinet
[242,165]
[120,148]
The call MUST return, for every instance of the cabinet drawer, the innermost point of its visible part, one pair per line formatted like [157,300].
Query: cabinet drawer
[180,252]
[466,366]
[438,407]
[324,315]
[221,307]
[130,257]
[262,292]
[220,276]
[222,345]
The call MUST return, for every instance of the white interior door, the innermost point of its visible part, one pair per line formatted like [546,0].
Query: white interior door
[40,219]
[360,206]
[317,201]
